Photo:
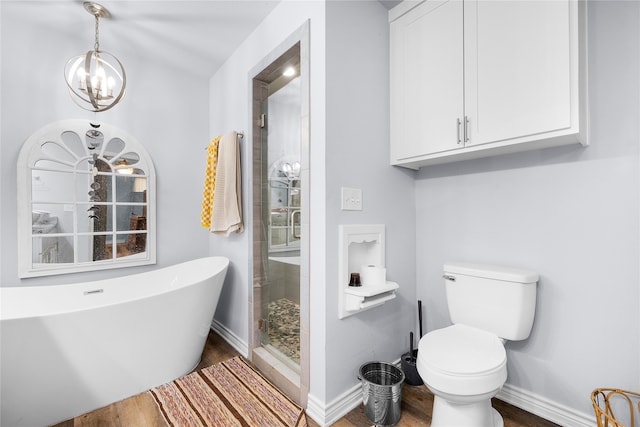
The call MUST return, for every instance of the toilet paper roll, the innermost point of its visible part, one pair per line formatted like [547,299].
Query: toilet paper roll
[373,275]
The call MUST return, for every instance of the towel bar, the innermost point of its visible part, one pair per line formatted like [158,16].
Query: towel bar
[240,136]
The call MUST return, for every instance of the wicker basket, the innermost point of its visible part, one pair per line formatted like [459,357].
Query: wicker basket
[615,407]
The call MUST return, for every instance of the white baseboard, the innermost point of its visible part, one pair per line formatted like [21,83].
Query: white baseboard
[316,410]
[325,415]
[230,337]
[545,408]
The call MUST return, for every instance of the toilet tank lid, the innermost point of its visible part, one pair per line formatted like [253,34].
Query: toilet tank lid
[491,272]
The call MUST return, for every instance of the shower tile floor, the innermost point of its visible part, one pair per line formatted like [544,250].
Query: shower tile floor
[284,328]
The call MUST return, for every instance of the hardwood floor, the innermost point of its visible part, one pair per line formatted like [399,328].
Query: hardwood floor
[417,403]
[141,411]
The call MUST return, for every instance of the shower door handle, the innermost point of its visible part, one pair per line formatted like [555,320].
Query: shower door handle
[293,224]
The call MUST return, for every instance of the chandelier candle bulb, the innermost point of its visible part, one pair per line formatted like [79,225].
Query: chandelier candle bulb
[110,84]
[81,77]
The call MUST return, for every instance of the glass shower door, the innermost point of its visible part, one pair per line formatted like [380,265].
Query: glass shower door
[281,212]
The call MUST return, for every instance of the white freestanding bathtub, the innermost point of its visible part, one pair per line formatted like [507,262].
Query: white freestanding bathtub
[68,349]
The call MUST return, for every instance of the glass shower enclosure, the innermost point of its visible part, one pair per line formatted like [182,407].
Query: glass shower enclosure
[280,209]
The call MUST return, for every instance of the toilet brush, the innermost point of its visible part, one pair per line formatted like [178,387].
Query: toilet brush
[420,317]
[408,362]
[413,360]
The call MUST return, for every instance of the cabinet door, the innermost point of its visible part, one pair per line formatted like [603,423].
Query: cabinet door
[427,79]
[517,69]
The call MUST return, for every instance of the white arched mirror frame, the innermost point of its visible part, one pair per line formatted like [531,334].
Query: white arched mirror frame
[70,151]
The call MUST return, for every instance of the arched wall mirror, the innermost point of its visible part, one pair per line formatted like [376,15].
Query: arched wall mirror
[86,200]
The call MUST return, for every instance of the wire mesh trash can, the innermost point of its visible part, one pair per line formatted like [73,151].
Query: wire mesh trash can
[381,392]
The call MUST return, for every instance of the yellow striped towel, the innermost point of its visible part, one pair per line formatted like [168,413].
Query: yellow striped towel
[209,182]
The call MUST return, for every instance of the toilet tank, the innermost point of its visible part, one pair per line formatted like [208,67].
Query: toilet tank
[500,300]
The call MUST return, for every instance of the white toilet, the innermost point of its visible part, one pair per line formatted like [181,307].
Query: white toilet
[465,364]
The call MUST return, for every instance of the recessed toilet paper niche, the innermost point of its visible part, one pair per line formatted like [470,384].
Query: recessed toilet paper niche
[362,251]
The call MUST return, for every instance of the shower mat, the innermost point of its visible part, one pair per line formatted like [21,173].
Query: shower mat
[230,393]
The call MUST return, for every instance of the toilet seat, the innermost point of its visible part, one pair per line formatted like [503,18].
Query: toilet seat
[462,360]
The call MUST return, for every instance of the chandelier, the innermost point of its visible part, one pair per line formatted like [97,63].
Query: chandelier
[96,80]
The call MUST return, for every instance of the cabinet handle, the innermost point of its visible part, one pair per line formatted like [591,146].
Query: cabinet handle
[458,123]
[466,129]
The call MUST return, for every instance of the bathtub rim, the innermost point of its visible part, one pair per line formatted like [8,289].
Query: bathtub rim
[14,299]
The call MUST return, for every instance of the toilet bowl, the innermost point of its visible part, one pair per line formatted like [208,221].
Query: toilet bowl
[464,368]
[465,364]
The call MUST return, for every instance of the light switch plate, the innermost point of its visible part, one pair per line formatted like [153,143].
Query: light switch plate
[351,199]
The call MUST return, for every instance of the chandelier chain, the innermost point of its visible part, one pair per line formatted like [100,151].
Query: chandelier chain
[96,46]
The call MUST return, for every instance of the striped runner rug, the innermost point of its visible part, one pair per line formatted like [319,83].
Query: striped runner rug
[230,393]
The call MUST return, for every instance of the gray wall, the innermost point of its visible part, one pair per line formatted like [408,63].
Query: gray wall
[572,214]
[348,148]
[357,156]
[173,127]
[230,101]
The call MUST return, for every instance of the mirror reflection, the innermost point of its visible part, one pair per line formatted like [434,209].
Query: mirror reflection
[285,214]
[87,197]
[283,158]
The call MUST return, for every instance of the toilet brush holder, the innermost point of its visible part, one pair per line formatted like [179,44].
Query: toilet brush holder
[408,364]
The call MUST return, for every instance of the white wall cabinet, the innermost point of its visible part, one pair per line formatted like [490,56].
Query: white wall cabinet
[477,78]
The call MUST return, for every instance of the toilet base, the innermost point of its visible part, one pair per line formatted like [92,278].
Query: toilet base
[477,414]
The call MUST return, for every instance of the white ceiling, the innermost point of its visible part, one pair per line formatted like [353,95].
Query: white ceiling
[197,35]
[390,3]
